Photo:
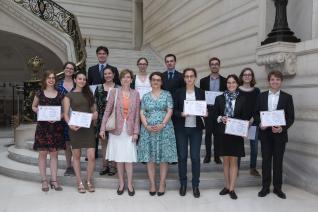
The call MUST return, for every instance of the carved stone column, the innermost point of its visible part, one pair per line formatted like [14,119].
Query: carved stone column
[280,31]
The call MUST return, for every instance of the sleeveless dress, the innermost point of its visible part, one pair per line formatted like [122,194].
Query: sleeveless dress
[49,136]
[84,137]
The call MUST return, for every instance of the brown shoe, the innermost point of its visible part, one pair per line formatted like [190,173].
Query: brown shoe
[90,187]
[255,173]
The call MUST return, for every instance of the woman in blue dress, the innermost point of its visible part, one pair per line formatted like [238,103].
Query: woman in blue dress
[157,143]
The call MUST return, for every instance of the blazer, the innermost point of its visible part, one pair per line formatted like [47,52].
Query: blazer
[173,84]
[285,102]
[95,78]
[240,111]
[132,121]
[180,96]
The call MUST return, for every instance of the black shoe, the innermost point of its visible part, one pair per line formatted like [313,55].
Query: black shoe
[263,192]
[183,190]
[86,159]
[196,192]
[279,193]
[224,191]
[120,192]
[112,171]
[160,193]
[152,193]
[172,163]
[69,171]
[233,194]
[207,159]
[217,160]
[131,193]
[104,171]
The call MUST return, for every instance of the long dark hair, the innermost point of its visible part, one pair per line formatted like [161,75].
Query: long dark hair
[86,91]
[253,81]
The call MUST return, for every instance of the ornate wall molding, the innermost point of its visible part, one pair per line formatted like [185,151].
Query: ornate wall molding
[279,55]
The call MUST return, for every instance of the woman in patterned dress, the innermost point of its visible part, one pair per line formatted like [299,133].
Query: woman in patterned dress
[157,143]
[48,134]
[101,94]
[64,86]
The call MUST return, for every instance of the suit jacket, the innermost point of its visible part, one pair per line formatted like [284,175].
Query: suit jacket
[174,84]
[240,111]
[94,77]
[285,102]
[205,85]
[180,96]
[132,121]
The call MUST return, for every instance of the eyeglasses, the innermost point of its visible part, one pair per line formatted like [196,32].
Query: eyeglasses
[214,64]
[142,64]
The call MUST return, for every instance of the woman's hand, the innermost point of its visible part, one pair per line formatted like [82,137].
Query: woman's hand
[95,115]
[102,134]
[261,126]
[224,119]
[277,129]
[134,138]
[74,128]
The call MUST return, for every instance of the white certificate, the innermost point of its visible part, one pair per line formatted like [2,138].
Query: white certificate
[80,119]
[236,127]
[252,133]
[142,90]
[211,95]
[49,113]
[93,88]
[273,118]
[196,108]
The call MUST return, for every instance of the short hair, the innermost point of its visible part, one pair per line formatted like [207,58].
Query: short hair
[104,48]
[69,63]
[142,58]
[214,58]
[171,55]
[46,74]
[253,81]
[189,69]
[275,73]
[234,77]
[124,72]
[156,73]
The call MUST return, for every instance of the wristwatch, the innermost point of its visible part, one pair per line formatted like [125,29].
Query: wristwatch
[164,125]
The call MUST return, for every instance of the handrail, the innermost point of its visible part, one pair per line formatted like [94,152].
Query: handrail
[61,19]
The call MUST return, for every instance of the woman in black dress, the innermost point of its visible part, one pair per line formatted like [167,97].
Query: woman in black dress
[48,134]
[230,105]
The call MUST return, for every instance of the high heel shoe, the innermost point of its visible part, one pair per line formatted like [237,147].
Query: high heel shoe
[120,192]
[161,193]
[80,188]
[45,189]
[131,193]
[56,187]
[90,187]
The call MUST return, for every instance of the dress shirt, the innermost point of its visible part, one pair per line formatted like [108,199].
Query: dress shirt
[169,73]
[190,121]
[215,84]
[273,100]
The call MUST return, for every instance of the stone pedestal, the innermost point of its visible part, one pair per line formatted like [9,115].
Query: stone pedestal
[280,56]
[22,134]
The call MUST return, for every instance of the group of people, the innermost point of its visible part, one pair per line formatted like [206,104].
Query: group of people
[151,126]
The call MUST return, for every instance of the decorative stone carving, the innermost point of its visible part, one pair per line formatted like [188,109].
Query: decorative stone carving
[279,56]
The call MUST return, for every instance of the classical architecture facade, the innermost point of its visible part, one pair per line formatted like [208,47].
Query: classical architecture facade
[194,30]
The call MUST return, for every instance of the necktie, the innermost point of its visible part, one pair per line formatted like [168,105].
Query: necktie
[101,71]
[170,75]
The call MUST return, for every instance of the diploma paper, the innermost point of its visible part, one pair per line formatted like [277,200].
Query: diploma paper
[211,95]
[236,127]
[273,118]
[80,119]
[142,90]
[252,133]
[49,113]
[196,108]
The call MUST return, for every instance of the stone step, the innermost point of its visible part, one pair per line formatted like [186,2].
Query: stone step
[208,180]
[31,157]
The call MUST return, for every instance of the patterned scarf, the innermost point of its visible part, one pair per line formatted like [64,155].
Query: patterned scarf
[229,96]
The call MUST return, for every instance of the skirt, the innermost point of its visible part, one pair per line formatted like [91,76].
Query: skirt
[121,148]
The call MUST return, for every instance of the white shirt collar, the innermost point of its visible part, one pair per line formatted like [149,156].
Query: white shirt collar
[274,94]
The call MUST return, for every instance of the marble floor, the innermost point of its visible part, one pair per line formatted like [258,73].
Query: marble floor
[17,195]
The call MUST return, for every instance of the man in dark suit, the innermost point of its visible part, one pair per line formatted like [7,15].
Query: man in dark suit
[213,82]
[274,139]
[96,72]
